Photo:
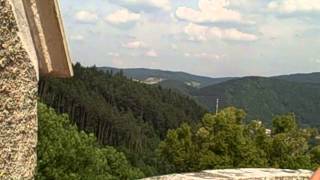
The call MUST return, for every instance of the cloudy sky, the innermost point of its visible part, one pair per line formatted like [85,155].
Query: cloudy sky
[205,37]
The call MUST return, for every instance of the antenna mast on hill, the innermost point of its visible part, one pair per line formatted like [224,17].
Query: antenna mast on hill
[217,106]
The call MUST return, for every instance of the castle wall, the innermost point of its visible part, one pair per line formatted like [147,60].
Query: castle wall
[18,101]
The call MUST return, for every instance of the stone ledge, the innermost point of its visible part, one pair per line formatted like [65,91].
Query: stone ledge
[240,174]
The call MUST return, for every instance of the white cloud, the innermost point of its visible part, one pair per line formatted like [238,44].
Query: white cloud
[122,16]
[118,63]
[113,54]
[134,45]
[77,37]
[291,6]
[187,54]
[204,55]
[210,11]
[203,33]
[174,46]
[152,53]
[286,29]
[144,4]
[162,4]
[86,16]
[242,3]
[315,60]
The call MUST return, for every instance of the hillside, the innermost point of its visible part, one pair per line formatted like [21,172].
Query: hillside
[177,86]
[304,78]
[123,113]
[266,97]
[161,76]
[134,118]
[261,97]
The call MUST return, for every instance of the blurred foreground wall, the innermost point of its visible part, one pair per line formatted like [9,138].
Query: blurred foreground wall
[18,98]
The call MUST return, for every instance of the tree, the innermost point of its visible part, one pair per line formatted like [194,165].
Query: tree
[66,153]
[224,140]
[289,144]
[220,141]
[284,124]
[179,150]
[315,156]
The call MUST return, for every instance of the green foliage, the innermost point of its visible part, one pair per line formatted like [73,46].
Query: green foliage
[266,97]
[178,86]
[128,115]
[179,149]
[315,156]
[135,117]
[284,124]
[302,78]
[224,140]
[66,153]
[290,147]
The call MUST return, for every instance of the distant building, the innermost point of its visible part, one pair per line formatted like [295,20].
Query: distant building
[32,43]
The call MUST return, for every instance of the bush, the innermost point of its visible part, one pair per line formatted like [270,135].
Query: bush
[66,153]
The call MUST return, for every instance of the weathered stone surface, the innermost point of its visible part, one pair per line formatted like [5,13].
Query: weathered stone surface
[46,27]
[18,98]
[243,174]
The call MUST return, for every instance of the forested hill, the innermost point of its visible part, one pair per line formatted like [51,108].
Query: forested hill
[266,97]
[129,115]
[181,78]
[262,97]
[304,78]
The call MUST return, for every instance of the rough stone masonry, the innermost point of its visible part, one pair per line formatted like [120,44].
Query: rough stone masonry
[18,102]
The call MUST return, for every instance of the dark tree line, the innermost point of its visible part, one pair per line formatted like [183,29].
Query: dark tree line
[123,113]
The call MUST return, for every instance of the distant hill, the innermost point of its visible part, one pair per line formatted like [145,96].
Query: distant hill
[261,97]
[178,86]
[266,97]
[305,78]
[160,76]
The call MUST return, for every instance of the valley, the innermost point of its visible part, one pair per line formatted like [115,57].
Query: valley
[261,97]
[159,122]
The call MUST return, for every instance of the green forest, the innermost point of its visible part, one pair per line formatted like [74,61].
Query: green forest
[103,125]
[260,97]
[266,97]
[131,116]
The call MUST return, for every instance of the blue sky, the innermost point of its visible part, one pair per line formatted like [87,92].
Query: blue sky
[205,37]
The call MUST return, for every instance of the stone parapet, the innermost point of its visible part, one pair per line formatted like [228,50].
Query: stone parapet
[240,174]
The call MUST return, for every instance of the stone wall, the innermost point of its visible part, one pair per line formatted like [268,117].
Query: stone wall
[18,100]
[241,174]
